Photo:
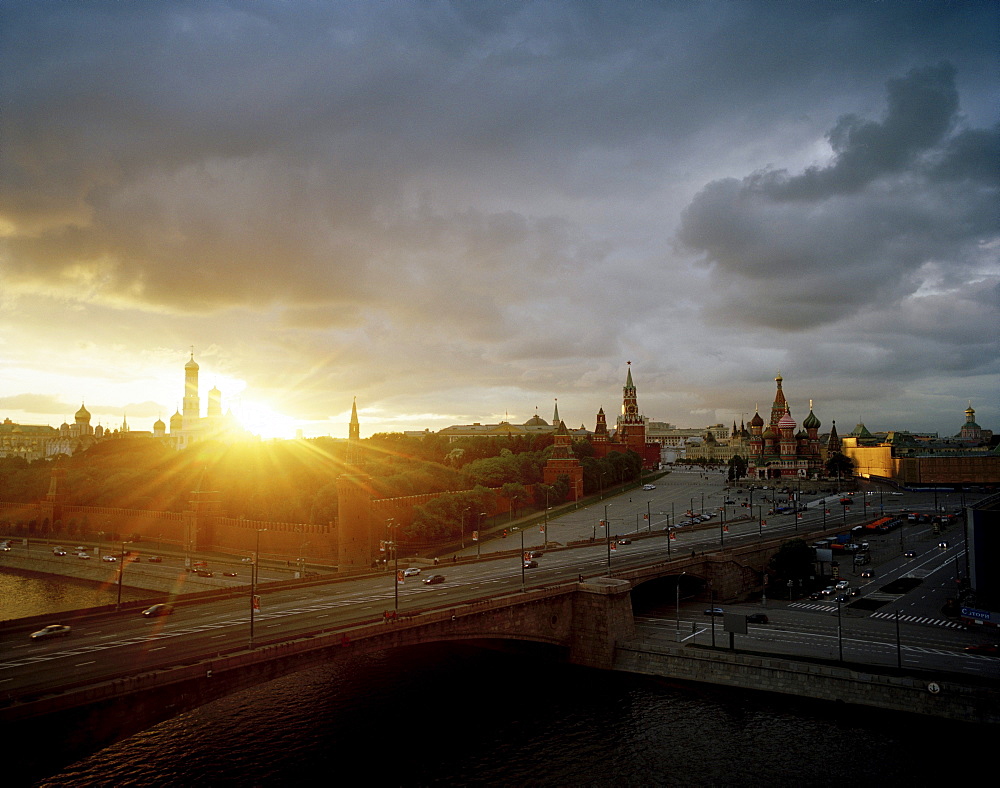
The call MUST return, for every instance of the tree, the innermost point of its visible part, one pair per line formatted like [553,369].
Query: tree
[514,492]
[840,465]
[737,468]
[793,561]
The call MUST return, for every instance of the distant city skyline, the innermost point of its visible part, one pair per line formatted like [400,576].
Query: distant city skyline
[455,211]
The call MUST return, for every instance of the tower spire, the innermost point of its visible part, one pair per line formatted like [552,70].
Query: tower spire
[555,415]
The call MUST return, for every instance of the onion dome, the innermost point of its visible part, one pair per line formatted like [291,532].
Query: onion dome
[811,421]
[192,364]
[159,425]
[786,421]
[802,435]
[176,421]
[756,421]
[769,434]
[83,413]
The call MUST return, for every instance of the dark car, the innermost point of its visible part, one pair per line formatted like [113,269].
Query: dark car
[624,541]
[433,580]
[535,554]
[757,618]
[530,564]
[842,598]
[157,610]
[943,545]
[910,554]
[868,573]
[154,559]
[203,573]
[714,611]
[229,574]
[987,649]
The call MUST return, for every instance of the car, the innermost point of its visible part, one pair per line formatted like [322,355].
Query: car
[714,611]
[433,580]
[943,545]
[535,554]
[246,560]
[757,618]
[51,631]
[729,502]
[895,493]
[203,573]
[229,574]
[157,610]
[80,549]
[411,572]
[82,555]
[841,585]
[58,551]
[109,558]
[842,598]
[868,573]
[987,649]
[649,486]
[815,595]
[910,554]
[624,541]
[135,559]
[155,559]
[530,564]
[829,591]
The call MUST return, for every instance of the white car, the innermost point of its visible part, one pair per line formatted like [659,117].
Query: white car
[82,555]
[109,558]
[649,486]
[51,631]
[413,570]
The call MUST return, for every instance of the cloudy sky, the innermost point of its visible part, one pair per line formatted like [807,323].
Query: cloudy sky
[457,210]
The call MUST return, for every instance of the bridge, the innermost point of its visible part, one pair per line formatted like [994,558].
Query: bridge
[584,621]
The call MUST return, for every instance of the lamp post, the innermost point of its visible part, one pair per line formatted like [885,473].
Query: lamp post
[677,603]
[463,526]
[669,534]
[393,529]
[254,599]
[121,571]
[523,560]
[479,534]
[607,532]
[545,533]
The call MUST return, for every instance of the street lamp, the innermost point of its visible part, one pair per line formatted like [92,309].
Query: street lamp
[254,599]
[390,544]
[466,509]
[523,560]
[677,603]
[121,571]
[607,532]
[479,534]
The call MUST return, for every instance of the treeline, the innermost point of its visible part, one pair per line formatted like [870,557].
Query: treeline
[295,481]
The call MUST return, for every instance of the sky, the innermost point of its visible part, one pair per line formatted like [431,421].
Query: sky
[460,212]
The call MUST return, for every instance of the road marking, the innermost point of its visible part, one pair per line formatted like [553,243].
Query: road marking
[81,664]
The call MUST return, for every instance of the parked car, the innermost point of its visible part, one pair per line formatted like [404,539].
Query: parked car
[433,580]
[714,611]
[51,631]
[757,618]
[158,610]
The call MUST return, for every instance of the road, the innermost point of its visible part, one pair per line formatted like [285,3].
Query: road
[102,647]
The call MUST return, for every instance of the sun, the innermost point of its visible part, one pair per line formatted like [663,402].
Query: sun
[265,421]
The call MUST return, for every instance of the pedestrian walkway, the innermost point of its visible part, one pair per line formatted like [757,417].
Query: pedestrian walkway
[933,622]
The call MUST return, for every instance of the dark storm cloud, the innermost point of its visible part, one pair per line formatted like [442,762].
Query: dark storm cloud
[900,201]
